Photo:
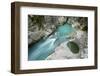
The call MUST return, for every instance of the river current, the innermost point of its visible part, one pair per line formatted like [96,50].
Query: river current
[45,47]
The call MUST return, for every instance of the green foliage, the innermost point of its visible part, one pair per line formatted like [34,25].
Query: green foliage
[37,20]
[85,28]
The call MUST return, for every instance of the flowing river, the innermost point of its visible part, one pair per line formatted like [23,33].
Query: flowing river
[45,47]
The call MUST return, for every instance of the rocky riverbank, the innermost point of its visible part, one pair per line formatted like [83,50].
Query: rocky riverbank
[43,26]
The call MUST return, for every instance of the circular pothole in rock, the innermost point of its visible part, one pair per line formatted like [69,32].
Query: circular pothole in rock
[73,47]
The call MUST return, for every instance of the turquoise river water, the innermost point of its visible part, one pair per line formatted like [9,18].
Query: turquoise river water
[45,47]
